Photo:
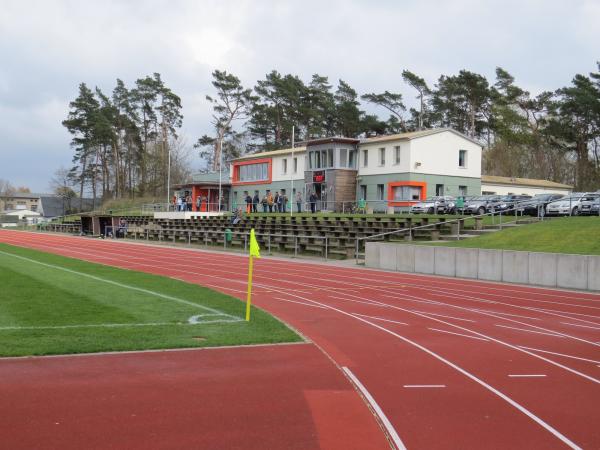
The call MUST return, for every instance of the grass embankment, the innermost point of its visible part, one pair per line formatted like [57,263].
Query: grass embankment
[45,309]
[577,235]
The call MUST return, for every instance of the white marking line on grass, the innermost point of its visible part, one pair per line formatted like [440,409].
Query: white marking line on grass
[380,318]
[459,334]
[526,375]
[582,326]
[112,325]
[126,286]
[531,331]
[384,420]
[299,303]
[424,386]
[559,354]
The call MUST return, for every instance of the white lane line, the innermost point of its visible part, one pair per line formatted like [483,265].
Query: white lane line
[498,341]
[441,315]
[349,300]
[299,303]
[380,318]
[530,331]
[526,375]
[382,417]
[459,369]
[559,354]
[459,334]
[582,326]
[424,386]
[125,286]
[505,314]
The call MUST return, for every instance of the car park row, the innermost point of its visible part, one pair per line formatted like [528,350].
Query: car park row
[574,204]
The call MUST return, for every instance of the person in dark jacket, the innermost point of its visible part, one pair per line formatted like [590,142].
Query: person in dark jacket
[276,201]
[255,202]
[248,203]
[313,202]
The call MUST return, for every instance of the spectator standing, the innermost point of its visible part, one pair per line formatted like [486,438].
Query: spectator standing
[179,203]
[248,203]
[282,201]
[270,201]
[276,202]
[174,202]
[255,202]
[313,202]
[299,201]
[265,203]
[198,202]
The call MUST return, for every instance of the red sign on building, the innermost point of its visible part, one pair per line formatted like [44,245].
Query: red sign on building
[319,176]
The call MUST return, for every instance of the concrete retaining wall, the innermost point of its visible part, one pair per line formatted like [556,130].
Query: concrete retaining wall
[540,269]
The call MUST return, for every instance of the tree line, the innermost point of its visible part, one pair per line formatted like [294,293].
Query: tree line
[121,142]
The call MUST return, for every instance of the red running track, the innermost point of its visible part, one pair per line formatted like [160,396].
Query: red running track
[451,363]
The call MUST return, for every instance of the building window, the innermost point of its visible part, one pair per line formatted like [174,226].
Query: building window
[352,159]
[284,166]
[462,158]
[382,156]
[33,207]
[343,157]
[320,159]
[253,172]
[406,193]
[363,192]
[397,155]
[380,190]
[439,189]
[295,165]
[462,191]
[365,158]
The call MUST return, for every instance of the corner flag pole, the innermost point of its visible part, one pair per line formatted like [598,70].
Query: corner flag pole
[254,253]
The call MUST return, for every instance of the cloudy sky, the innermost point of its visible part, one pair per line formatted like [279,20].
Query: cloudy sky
[48,47]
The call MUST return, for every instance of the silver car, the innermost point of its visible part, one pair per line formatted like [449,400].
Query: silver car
[570,205]
[434,205]
[478,205]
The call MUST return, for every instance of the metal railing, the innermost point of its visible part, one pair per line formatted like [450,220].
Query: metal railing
[460,221]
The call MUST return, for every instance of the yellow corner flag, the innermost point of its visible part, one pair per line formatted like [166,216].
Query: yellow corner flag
[254,253]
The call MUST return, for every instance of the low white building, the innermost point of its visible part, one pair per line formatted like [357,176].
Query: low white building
[491,184]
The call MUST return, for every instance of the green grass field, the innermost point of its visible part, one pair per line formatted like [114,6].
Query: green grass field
[50,304]
[576,235]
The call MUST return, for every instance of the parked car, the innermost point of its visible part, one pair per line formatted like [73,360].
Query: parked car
[590,206]
[570,205]
[434,205]
[478,204]
[538,203]
[507,202]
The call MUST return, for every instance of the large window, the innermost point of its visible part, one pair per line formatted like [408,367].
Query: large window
[295,165]
[320,159]
[284,166]
[380,192]
[253,172]
[462,158]
[352,159]
[382,156]
[343,157]
[406,193]
[363,192]
[365,158]
[397,155]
